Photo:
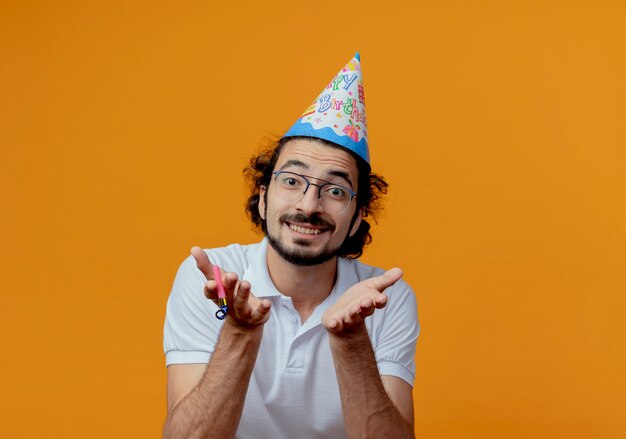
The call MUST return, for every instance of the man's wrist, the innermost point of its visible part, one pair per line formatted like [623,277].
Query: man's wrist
[232,328]
[354,342]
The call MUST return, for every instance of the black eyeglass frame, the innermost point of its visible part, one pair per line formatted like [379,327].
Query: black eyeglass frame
[319,186]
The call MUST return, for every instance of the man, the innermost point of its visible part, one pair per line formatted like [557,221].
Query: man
[324,346]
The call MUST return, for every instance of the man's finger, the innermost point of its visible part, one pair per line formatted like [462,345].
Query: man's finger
[231,284]
[353,315]
[240,301]
[367,307]
[210,290]
[388,278]
[202,262]
[380,301]
[334,325]
[259,313]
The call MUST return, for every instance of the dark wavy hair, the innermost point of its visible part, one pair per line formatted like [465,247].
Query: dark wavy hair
[371,188]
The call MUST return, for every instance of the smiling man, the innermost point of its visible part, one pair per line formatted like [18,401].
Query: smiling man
[303,236]
[315,343]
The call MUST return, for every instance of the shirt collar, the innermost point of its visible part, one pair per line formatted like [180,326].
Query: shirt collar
[257,274]
[346,277]
[262,286]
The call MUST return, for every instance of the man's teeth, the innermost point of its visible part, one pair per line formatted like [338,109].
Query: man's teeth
[304,230]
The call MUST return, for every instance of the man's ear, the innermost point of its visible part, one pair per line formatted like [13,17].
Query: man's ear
[357,223]
[261,205]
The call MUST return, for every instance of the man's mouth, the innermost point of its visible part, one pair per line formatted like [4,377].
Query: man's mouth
[304,230]
[305,225]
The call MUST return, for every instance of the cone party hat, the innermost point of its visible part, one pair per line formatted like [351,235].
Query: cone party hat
[338,113]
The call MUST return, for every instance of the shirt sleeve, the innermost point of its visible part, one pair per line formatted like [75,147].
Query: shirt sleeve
[189,333]
[394,333]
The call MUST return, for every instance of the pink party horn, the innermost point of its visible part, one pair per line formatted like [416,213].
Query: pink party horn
[221,294]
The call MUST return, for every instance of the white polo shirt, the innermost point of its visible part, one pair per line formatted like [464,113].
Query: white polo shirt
[293,391]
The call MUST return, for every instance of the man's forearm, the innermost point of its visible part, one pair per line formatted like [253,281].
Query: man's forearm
[367,409]
[213,408]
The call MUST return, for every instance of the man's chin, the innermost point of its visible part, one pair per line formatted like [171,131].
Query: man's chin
[299,254]
[302,242]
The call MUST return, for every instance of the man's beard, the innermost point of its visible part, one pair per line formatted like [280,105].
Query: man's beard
[299,255]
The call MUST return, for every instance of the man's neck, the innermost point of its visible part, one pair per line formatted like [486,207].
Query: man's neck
[307,286]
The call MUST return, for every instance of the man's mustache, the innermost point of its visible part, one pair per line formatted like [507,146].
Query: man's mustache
[314,220]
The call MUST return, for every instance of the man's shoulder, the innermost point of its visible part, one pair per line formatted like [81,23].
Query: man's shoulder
[233,257]
[235,249]
[362,271]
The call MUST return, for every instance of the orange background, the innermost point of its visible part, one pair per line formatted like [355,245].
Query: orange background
[124,127]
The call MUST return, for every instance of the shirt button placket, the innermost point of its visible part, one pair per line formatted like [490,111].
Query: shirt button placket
[294,354]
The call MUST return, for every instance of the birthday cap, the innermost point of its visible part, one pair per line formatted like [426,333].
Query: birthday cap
[338,113]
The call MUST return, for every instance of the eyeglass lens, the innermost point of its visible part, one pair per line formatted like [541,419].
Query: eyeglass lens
[292,187]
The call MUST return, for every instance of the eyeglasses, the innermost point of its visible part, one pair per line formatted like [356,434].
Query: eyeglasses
[292,187]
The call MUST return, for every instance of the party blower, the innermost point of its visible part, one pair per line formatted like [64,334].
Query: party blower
[221,294]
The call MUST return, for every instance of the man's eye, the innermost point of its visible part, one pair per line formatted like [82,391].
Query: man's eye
[290,182]
[337,192]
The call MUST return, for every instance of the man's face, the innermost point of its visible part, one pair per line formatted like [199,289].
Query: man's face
[304,232]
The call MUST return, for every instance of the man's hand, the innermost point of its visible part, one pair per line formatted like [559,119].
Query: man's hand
[372,406]
[359,302]
[244,308]
[207,401]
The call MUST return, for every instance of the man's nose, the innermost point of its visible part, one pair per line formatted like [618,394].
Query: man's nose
[310,202]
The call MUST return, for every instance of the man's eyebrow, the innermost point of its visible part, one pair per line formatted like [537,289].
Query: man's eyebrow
[294,162]
[343,175]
